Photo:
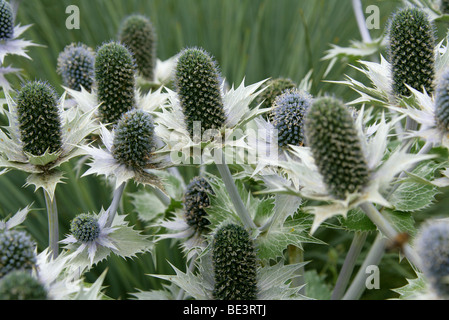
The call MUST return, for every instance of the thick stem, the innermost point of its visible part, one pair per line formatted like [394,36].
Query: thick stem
[358,11]
[348,266]
[53,224]
[232,190]
[112,210]
[372,259]
[296,255]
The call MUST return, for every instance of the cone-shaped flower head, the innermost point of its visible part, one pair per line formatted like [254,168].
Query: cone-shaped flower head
[39,118]
[20,285]
[235,264]
[85,227]
[288,116]
[76,66]
[134,139]
[6,20]
[432,245]
[333,139]
[442,103]
[411,51]
[198,88]
[17,251]
[274,88]
[196,200]
[115,79]
[138,34]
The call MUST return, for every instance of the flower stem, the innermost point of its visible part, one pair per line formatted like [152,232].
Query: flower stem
[358,11]
[348,266]
[296,255]
[112,210]
[233,192]
[373,258]
[53,225]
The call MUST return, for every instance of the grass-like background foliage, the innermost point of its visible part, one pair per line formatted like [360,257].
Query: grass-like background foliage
[251,39]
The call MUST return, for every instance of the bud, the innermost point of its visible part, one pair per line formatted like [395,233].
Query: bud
[85,227]
[411,51]
[137,33]
[442,103]
[288,116]
[196,200]
[19,285]
[332,137]
[76,66]
[235,267]
[6,21]
[39,119]
[197,84]
[115,79]
[134,139]
[432,246]
[17,252]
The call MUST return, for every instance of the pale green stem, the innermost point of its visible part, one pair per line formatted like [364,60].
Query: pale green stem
[373,258]
[233,192]
[296,255]
[161,196]
[348,266]
[361,22]
[112,210]
[53,224]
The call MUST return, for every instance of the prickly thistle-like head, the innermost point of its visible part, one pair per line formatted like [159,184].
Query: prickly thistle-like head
[198,88]
[235,264]
[20,285]
[332,137]
[6,21]
[411,51]
[76,66]
[115,79]
[432,245]
[442,102]
[134,139]
[17,252]
[196,200]
[39,118]
[288,116]
[138,34]
[273,88]
[85,227]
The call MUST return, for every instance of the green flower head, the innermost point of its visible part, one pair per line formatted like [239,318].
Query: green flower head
[116,82]
[333,139]
[39,118]
[235,264]
[17,252]
[198,88]
[196,200]
[411,51]
[138,34]
[85,227]
[20,285]
[274,87]
[6,21]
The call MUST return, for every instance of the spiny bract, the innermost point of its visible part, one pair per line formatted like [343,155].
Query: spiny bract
[235,268]
[6,21]
[17,251]
[137,33]
[76,66]
[335,145]
[196,199]
[288,116]
[432,245]
[115,79]
[85,227]
[273,88]
[134,139]
[19,285]
[442,102]
[198,87]
[39,118]
[411,51]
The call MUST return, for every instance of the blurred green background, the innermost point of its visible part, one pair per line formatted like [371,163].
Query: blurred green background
[251,39]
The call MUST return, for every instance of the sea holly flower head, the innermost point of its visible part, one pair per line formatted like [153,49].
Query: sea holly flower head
[138,34]
[76,66]
[274,88]
[42,134]
[343,161]
[129,151]
[17,252]
[21,285]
